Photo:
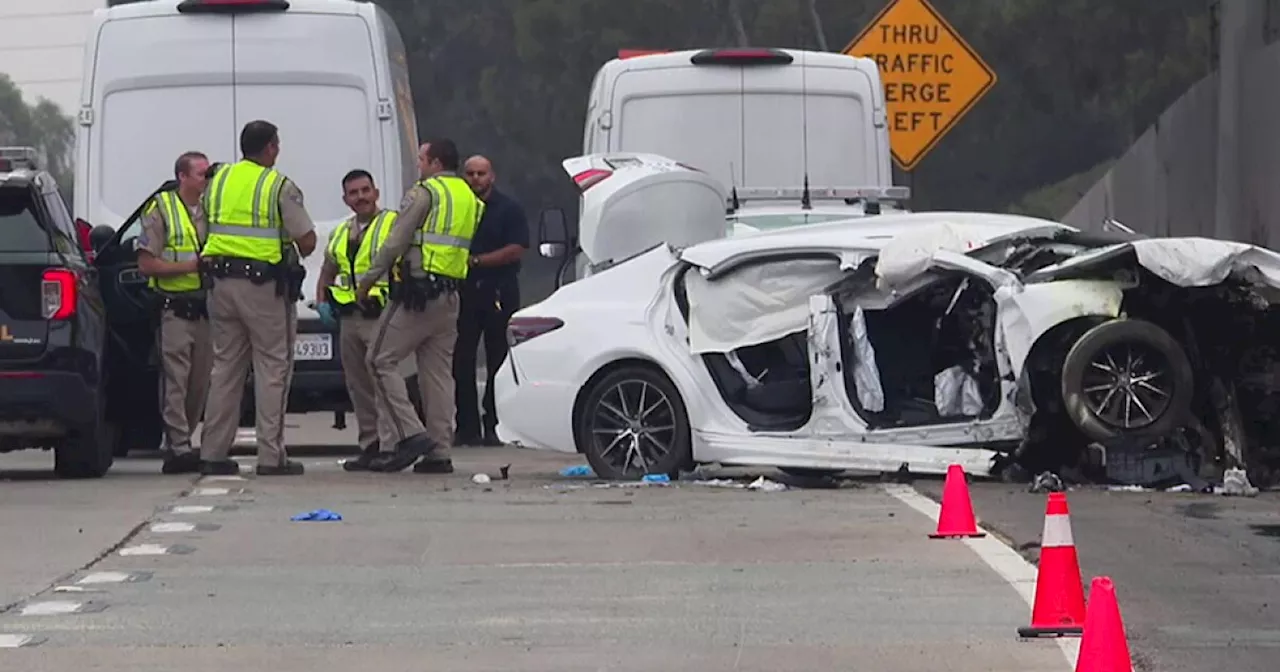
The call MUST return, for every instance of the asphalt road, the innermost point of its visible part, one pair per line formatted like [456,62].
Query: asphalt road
[1197,576]
[537,573]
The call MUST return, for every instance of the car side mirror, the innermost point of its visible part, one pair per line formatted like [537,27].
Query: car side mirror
[552,228]
[552,250]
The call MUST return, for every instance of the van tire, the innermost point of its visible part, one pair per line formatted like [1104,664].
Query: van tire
[89,451]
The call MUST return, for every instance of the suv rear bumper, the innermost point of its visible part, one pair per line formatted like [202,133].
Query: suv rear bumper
[30,402]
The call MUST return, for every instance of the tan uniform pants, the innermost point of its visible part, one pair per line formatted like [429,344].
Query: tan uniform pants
[250,325]
[356,334]
[429,335]
[186,358]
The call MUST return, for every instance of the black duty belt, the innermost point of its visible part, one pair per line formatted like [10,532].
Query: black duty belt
[255,271]
[368,309]
[415,293]
[186,307]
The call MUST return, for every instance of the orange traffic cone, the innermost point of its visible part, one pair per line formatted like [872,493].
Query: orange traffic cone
[956,518]
[1059,607]
[1104,647]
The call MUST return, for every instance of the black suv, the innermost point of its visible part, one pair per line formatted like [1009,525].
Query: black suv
[53,326]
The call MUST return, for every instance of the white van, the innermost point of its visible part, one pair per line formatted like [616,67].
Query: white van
[765,122]
[749,117]
[167,76]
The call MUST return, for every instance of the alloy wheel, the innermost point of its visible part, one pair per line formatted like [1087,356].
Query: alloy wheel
[633,426]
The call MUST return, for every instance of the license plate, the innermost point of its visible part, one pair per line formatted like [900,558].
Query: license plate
[313,347]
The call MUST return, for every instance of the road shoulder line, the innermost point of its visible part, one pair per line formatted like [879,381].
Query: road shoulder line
[1003,560]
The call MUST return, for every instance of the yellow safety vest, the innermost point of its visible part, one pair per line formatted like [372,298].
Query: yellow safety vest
[242,204]
[445,237]
[343,287]
[182,242]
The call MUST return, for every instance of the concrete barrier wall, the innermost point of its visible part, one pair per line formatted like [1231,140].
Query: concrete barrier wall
[1210,166]
[1165,184]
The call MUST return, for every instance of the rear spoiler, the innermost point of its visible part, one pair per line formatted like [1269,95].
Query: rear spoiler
[864,194]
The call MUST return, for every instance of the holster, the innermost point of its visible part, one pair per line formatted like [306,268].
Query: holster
[187,308]
[415,293]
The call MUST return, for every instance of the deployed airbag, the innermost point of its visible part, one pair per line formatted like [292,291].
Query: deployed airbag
[755,304]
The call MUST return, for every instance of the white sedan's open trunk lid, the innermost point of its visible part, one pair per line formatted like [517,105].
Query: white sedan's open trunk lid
[631,202]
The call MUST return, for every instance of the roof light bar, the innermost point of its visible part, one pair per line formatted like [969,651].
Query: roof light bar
[791,193]
[742,57]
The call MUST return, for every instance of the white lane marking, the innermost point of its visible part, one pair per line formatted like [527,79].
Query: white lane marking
[145,549]
[223,478]
[51,608]
[74,589]
[8,641]
[1013,568]
[105,577]
[210,492]
[167,528]
[191,509]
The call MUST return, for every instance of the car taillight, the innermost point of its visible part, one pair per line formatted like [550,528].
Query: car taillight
[521,329]
[82,233]
[231,6]
[590,178]
[58,294]
[742,57]
[624,54]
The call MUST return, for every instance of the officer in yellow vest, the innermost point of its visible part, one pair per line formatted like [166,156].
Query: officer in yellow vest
[430,247]
[173,229]
[348,255]
[258,227]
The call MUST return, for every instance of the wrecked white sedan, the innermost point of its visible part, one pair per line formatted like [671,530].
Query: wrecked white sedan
[1007,344]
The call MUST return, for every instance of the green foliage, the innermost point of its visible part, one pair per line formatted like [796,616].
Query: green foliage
[42,126]
[1079,79]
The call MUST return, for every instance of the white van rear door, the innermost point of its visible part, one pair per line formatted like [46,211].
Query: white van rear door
[691,114]
[161,86]
[804,117]
[314,76]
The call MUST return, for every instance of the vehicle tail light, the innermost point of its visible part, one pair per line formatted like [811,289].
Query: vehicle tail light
[58,294]
[82,233]
[521,329]
[590,178]
[742,57]
[624,54]
[231,6]
[5,165]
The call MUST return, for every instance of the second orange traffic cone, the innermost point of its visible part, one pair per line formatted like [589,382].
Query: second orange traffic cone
[956,518]
[1059,607]
[1104,648]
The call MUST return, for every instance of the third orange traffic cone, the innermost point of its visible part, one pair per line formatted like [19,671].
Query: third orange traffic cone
[1104,648]
[1059,607]
[956,518]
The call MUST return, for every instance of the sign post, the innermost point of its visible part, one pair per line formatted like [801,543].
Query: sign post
[932,77]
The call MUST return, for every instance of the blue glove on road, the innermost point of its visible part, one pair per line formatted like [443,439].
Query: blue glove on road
[328,315]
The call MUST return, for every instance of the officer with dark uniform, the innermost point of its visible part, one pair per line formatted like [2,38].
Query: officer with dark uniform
[173,230]
[258,228]
[347,256]
[429,246]
[489,296]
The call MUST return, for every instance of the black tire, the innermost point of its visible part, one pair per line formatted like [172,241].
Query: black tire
[669,423]
[1099,409]
[415,395]
[89,451]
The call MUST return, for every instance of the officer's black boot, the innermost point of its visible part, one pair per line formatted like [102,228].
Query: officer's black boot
[219,468]
[367,456]
[406,453]
[491,437]
[181,463]
[436,461]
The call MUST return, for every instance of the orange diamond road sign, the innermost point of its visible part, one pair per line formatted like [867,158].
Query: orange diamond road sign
[932,77]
